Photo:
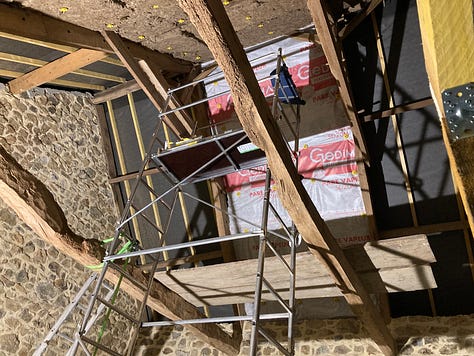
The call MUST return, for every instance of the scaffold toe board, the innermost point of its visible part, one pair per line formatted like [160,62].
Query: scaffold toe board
[201,159]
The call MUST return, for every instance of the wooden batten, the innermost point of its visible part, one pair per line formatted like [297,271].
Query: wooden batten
[37,26]
[55,69]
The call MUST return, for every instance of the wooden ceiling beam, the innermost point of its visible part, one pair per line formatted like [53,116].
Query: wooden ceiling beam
[55,69]
[34,204]
[37,26]
[153,84]
[448,40]
[212,23]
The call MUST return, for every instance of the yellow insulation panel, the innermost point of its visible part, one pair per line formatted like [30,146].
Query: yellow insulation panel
[447,29]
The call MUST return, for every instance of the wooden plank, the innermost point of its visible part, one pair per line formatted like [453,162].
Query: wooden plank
[397,252]
[149,84]
[383,266]
[398,109]
[58,82]
[35,25]
[422,229]
[404,279]
[361,16]
[35,205]
[39,63]
[212,23]
[448,38]
[116,92]
[55,69]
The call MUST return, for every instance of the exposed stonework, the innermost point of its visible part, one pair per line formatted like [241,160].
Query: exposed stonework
[414,335]
[55,136]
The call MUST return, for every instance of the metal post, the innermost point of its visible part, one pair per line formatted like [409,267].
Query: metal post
[261,262]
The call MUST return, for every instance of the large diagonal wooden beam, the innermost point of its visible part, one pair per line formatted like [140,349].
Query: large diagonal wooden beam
[212,23]
[35,205]
[325,28]
[55,69]
[35,25]
[153,84]
[448,41]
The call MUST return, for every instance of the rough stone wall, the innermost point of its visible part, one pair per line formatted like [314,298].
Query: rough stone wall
[414,336]
[55,136]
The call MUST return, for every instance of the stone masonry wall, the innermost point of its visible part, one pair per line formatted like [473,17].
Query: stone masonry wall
[414,336]
[55,136]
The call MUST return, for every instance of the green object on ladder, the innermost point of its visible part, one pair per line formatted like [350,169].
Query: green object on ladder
[126,248]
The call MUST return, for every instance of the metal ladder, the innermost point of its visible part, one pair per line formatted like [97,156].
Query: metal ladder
[70,309]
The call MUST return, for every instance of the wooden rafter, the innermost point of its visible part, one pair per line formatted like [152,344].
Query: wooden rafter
[325,28]
[39,63]
[55,69]
[361,16]
[35,205]
[59,82]
[116,92]
[152,83]
[37,26]
[212,23]
[448,42]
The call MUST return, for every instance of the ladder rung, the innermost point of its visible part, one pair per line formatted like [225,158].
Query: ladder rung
[117,310]
[128,276]
[65,337]
[100,346]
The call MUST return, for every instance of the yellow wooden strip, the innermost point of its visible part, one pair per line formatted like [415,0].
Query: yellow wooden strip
[39,63]
[55,69]
[57,47]
[59,82]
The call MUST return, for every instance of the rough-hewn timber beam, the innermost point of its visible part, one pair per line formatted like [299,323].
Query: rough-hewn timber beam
[55,69]
[212,23]
[332,48]
[35,205]
[153,84]
[448,41]
[35,25]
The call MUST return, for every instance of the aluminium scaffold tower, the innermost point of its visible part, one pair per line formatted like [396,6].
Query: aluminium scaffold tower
[215,156]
